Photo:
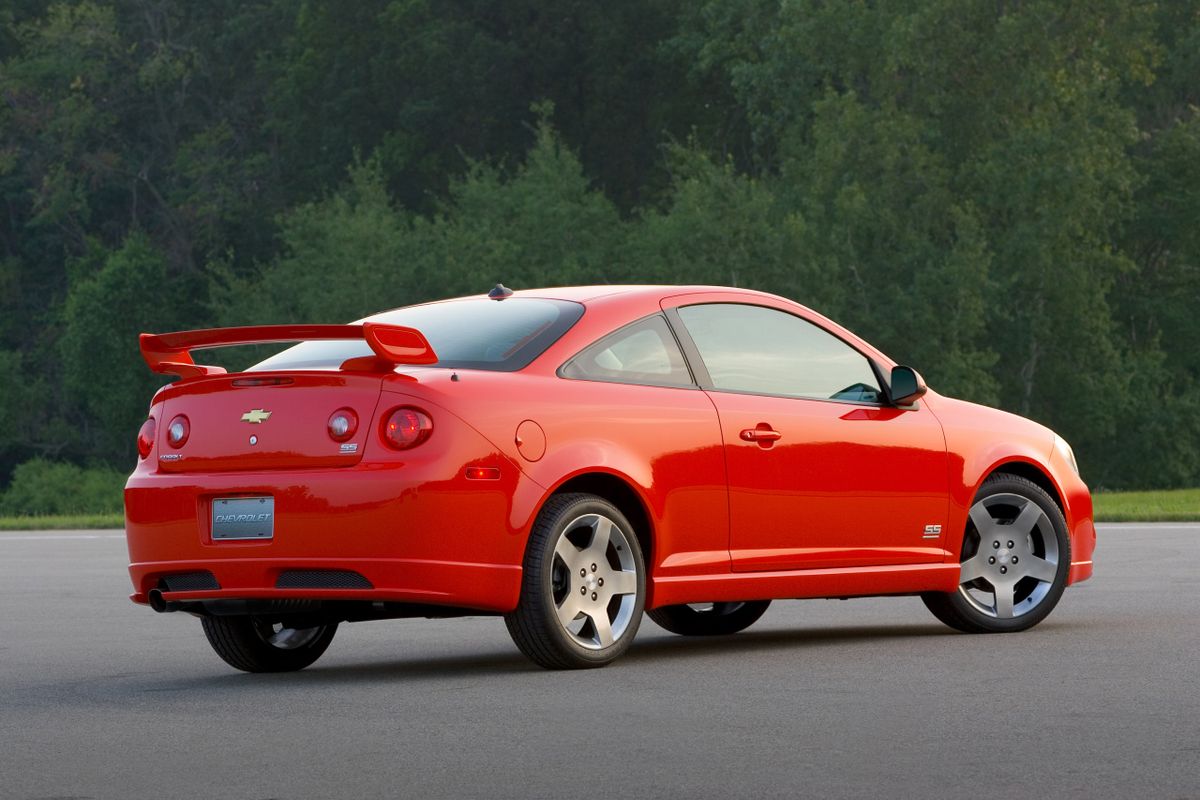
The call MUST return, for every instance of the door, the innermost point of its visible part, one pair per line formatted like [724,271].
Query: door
[821,471]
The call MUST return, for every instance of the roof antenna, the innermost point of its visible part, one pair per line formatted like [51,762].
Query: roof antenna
[500,292]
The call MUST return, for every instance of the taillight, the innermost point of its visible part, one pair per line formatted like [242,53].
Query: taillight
[406,427]
[342,424]
[146,437]
[178,430]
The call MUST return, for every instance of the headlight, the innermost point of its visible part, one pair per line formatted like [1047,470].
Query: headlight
[1069,454]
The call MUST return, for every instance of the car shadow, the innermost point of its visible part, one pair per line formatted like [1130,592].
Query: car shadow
[646,650]
[673,647]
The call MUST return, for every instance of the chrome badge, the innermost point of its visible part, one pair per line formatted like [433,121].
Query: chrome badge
[256,416]
[932,532]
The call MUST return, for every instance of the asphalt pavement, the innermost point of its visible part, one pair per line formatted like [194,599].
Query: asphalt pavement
[863,698]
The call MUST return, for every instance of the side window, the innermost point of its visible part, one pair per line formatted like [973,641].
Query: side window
[766,351]
[644,352]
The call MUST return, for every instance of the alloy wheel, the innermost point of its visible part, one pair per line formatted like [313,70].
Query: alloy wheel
[1010,556]
[594,581]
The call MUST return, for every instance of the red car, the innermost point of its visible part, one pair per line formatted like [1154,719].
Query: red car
[569,458]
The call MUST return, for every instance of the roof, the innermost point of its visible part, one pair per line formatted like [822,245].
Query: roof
[585,294]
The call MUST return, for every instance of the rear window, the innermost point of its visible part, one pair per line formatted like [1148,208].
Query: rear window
[500,335]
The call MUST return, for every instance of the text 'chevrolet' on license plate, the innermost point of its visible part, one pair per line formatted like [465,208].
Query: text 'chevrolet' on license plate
[243,518]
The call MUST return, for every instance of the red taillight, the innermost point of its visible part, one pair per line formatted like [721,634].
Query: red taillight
[146,437]
[406,427]
[342,424]
[178,431]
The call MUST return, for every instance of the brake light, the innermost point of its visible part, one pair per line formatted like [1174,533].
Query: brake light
[342,424]
[406,427]
[145,439]
[178,430]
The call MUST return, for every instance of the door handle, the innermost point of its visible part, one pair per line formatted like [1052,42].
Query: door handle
[763,433]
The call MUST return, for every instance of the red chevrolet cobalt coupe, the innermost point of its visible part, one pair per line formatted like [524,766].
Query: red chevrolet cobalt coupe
[569,458]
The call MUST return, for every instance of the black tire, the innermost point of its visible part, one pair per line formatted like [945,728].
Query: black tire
[548,583]
[721,619]
[245,643]
[959,611]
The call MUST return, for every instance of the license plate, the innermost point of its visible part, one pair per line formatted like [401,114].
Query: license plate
[243,518]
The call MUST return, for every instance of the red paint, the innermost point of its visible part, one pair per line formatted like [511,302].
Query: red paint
[170,353]
[825,498]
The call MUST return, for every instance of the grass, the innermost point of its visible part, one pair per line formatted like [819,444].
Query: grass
[1175,505]
[62,522]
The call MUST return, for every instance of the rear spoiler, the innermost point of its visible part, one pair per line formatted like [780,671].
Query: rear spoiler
[170,353]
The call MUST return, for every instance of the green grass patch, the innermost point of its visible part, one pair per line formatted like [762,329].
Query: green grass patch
[1175,505]
[52,522]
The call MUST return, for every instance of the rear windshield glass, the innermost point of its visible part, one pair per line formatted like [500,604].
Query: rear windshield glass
[502,335]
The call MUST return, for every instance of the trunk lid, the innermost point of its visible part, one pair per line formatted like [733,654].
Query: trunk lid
[267,421]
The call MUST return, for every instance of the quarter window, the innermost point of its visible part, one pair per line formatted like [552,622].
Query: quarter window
[766,351]
[644,352]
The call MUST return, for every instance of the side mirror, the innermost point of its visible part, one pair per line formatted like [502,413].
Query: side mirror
[907,386]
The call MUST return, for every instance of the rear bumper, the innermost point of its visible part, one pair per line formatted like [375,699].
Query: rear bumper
[487,587]
[412,533]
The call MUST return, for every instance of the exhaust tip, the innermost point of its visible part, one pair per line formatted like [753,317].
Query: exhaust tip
[156,600]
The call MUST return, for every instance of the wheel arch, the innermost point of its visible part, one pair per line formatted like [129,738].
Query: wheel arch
[1031,472]
[619,491]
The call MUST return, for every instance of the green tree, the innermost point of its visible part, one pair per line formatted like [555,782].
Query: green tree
[356,253]
[103,371]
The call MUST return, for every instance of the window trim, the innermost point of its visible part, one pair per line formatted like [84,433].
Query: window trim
[694,385]
[691,354]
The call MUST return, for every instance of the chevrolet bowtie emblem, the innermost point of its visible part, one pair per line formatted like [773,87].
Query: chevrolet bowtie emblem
[256,416]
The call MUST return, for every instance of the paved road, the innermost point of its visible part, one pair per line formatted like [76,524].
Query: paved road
[864,698]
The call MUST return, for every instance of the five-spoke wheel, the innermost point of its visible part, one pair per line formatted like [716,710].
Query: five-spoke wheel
[584,585]
[1015,559]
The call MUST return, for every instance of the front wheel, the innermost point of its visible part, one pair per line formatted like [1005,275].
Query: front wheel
[709,619]
[258,644]
[1015,558]
[583,588]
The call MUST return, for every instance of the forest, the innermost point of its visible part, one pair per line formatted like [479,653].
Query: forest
[1004,194]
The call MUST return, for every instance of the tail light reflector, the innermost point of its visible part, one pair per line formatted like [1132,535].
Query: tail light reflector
[483,473]
[178,431]
[406,427]
[145,439]
[343,424]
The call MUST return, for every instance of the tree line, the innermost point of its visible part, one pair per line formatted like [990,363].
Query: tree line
[1003,194]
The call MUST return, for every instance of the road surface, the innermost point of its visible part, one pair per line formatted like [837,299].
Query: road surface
[863,698]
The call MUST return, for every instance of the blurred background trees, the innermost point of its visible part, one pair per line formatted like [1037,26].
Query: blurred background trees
[1005,195]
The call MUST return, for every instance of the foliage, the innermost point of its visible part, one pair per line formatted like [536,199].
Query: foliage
[41,487]
[103,371]
[1003,195]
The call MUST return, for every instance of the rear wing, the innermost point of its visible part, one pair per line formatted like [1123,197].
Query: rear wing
[170,353]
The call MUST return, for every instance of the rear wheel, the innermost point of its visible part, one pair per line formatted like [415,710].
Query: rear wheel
[1015,558]
[709,619]
[583,588]
[258,644]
